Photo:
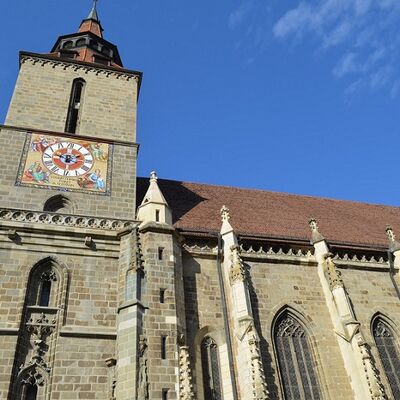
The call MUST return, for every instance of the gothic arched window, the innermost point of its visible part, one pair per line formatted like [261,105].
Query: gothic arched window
[389,353]
[295,360]
[75,106]
[211,369]
[43,286]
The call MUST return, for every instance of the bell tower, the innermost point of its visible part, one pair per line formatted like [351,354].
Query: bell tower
[77,95]
[67,222]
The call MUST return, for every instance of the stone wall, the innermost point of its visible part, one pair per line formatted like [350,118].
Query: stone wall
[120,204]
[42,94]
[83,335]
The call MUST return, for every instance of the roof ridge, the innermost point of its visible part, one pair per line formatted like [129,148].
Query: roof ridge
[307,196]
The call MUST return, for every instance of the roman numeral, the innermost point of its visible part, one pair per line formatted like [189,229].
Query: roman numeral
[48,163]
[55,169]
[45,155]
[85,168]
[70,145]
[66,173]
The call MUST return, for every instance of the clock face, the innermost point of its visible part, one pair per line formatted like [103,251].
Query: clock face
[68,159]
[65,163]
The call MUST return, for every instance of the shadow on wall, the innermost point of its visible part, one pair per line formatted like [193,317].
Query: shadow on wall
[179,198]
[265,347]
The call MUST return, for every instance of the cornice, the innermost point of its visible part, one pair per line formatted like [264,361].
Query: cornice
[64,220]
[35,58]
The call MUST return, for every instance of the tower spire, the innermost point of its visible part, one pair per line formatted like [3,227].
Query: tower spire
[92,22]
[93,12]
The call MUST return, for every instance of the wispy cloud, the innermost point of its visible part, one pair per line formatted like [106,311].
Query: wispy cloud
[363,34]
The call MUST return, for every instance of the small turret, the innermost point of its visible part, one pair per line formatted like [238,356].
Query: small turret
[154,207]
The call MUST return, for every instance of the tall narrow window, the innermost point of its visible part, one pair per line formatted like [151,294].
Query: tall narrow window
[44,288]
[211,370]
[295,362]
[162,295]
[45,291]
[31,393]
[163,347]
[389,353]
[75,106]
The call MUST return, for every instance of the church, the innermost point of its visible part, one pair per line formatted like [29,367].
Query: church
[118,287]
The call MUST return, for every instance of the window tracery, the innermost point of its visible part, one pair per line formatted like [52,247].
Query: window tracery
[211,369]
[389,354]
[296,366]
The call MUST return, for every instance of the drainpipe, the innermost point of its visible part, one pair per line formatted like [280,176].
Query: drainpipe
[226,320]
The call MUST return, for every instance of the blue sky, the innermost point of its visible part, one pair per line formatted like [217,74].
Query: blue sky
[301,97]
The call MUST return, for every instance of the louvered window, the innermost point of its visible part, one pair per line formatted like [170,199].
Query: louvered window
[211,370]
[389,354]
[75,106]
[295,361]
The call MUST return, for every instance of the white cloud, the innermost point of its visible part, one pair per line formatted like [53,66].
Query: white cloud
[363,34]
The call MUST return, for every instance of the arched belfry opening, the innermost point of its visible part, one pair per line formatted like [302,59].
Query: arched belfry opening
[58,203]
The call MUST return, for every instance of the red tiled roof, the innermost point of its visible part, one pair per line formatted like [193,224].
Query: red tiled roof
[196,207]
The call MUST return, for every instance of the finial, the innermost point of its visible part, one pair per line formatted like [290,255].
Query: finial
[225,213]
[390,234]
[93,13]
[153,176]
[313,224]
[394,244]
[315,235]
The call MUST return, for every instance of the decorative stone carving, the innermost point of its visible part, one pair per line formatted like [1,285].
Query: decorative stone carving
[40,328]
[64,220]
[394,244]
[260,391]
[315,235]
[76,67]
[136,255]
[48,276]
[334,276]
[185,375]
[143,381]
[112,381]
[33,377]
[237,272]
[225,214]
[375,385]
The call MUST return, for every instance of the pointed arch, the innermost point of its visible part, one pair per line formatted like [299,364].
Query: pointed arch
[386,338]
[295,359]
[42,315]
[31,383]
[45,283]
[211,368]
[209,357]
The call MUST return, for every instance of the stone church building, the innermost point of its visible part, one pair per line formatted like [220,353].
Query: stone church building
[126,288]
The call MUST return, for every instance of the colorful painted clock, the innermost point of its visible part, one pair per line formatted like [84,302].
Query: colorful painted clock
[67,164]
